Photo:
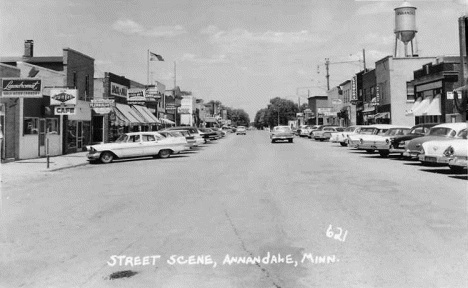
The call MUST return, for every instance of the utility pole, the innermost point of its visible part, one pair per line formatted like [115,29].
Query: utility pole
[364,58]
[327,63]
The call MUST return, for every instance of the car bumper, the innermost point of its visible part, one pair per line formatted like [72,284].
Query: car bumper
[411,154]
[397,150]
[458,162]
[282,137]
[93,156]
[433,159]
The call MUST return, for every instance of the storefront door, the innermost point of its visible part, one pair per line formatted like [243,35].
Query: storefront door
[42,137]
[79,138]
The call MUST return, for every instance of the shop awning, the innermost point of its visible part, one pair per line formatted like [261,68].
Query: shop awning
[421,108]
[132,117]
[146,114]
[460,89]
[167,121]
[382,115]
[434,107]
[415,104]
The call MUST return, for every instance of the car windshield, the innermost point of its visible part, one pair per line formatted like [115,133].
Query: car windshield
[350,129]
[122,138]
[462,134]
[339,129]
[282,129]
[397,132]
[418,130]
[381,132]
[367,131]
[441,131]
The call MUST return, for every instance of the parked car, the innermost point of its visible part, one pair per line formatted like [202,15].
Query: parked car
[135,144]
[381,139]
[181,133]
[315,128]
[208,134]
[396,143]
[342,137]
[281,133]
[439,132]
[241,130]
[433,151]
[192,130]
[218,131]
[304,130]
[369,133]
[353,138]
[325,133]
[457,153]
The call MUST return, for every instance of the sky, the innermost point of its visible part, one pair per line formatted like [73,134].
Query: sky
[240,52]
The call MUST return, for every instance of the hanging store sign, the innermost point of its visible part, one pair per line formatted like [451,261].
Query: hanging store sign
[102,106]
[323,110]
[118,90]
[22,87]
[153,94]
[377,95]
[65,110]
[183,110]
[136,96]
[170,106]
[63,96]
[337,101]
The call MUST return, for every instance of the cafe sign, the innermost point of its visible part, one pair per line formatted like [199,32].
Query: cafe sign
[63,97]
[65,110]
[22,87]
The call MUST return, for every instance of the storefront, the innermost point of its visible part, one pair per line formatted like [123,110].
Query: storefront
[78,128]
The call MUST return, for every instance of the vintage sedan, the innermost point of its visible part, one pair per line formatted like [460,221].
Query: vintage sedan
[180,133]
[433,151]
[208,134]
[439,132]
[396,143]
[281,133]
[192,130]
[342,137]
[241,130]
[304,130]
[136,144]
[369,136]
[325,133]
[381,141]
[353,138]
[457,153]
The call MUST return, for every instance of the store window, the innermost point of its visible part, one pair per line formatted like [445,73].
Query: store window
[31,126]
[52,126]
[71,134]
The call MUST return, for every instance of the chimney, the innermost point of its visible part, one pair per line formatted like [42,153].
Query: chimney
[28,48]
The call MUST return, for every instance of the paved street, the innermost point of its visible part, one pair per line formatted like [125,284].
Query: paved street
[403,225]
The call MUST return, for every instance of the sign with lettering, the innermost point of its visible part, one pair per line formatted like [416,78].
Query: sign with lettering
[136,96]
[183,110]
[153,94]
[63,96]
[22,87]
[353,89]
[65,110]
[118,90]
[337,101]
[102,106]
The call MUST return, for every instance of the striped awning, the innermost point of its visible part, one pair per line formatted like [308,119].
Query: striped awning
[131,116]
[146,114]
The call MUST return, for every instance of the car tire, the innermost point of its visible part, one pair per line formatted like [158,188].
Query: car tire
[384,153]
[321,140]
[344,144]
[106,157]
[165,153]
[273,141]
[369,150]
[456,169]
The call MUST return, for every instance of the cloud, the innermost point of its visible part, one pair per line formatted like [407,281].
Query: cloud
[128,26]
[213,60]
[273,37]
[376,8]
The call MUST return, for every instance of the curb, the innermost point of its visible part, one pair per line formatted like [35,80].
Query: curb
[63,168]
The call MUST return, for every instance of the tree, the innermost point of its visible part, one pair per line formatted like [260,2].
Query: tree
[278,112]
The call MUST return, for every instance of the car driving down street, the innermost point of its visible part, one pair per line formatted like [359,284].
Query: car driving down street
[282,133]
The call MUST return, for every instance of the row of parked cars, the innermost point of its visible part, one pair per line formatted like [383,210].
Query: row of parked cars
[432,144]
[158,144]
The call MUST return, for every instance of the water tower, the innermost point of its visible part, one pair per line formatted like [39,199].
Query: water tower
[405,28]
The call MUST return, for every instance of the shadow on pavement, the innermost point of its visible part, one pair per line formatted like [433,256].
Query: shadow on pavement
[445,171]
[465,177]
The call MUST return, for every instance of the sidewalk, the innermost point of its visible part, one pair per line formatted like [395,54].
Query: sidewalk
[38,166]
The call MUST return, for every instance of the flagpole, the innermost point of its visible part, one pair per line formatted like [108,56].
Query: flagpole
[175,74]
[147,57]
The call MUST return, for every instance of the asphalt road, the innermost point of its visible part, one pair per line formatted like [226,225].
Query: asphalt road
[402,225]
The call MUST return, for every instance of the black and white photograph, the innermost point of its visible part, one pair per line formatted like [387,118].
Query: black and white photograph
[233,144]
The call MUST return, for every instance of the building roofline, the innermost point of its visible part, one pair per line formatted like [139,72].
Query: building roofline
[42,59]
[78,52]
[43,68]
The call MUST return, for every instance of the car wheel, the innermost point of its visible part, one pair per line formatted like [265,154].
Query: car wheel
[165,153]
[369,150]
[456,169]
[321,140]
[106,157]
[343,144]
[273,141]
[384,153]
